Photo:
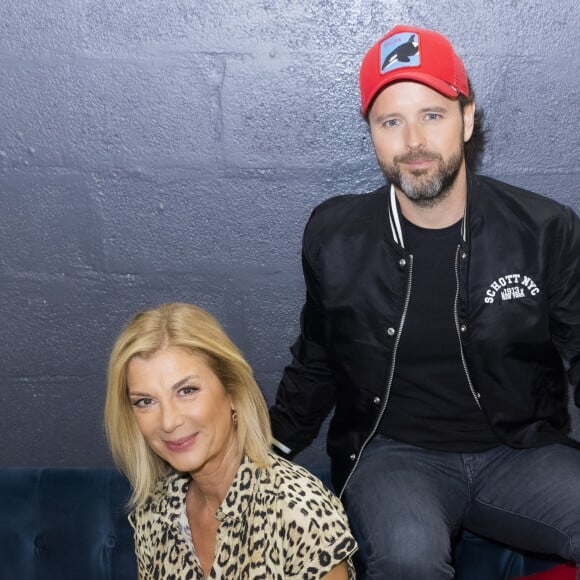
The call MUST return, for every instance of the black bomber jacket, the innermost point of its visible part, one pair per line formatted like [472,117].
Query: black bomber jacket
[517,315]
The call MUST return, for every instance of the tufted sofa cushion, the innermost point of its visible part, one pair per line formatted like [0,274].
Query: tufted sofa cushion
[65,524]
[71,524]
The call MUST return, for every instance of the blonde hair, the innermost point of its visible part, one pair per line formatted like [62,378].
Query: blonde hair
[192,328]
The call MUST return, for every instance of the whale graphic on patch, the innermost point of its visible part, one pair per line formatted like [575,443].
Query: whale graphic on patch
[405,52]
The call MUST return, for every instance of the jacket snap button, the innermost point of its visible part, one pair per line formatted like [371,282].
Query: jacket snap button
[391,331]
[463,328]
[402,262]
[353,457]
[376,400]
[464,255]
[478,395]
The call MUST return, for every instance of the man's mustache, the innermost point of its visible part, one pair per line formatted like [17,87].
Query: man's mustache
[418,156]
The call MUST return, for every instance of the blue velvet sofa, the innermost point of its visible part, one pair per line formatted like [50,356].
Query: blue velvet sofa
[71,524]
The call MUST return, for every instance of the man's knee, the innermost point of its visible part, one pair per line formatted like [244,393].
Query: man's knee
[407,550]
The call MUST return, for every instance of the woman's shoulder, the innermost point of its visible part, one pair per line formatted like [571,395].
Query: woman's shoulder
[310,519]
[298,485]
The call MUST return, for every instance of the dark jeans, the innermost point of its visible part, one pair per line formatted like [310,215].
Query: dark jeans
[405,504]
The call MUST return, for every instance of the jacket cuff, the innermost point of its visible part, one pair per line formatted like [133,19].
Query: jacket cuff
[280,448]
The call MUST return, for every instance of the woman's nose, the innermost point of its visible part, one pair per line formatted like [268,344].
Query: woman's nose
[170,417]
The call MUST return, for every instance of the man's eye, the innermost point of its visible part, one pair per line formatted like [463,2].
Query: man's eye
[391,123]
[433,116]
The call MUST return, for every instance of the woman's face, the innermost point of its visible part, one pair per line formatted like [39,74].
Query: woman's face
[183,411]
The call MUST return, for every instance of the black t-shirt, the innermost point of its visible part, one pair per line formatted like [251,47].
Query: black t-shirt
[430,404]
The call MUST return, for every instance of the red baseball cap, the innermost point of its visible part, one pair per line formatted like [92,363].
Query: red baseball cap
[412,54]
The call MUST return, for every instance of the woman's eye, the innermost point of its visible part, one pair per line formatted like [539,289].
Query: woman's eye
[141,403]
[188,390]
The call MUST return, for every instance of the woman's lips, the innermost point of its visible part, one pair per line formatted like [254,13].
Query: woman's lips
[181,444]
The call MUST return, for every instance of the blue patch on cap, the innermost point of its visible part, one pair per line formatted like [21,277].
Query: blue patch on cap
[400,50]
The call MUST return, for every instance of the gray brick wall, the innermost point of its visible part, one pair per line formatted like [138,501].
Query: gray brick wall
[172,150]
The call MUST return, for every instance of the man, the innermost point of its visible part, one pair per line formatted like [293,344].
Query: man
[439,310]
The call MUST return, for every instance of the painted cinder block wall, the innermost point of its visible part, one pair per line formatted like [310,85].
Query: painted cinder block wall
[172,150]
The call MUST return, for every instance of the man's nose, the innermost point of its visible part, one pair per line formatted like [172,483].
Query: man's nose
[414,136]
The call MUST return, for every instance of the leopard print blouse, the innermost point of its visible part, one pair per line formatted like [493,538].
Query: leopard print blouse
[275,523]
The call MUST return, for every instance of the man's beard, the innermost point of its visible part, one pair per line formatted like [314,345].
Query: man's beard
[421,188]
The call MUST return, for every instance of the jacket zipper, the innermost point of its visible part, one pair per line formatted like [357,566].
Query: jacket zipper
[458,329]
[390,379]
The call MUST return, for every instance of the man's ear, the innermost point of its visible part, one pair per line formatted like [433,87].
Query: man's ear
[468,120]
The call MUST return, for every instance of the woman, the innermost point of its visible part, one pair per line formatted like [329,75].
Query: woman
[188,424]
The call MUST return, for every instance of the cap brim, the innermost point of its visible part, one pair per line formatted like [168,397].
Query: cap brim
[407,75]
